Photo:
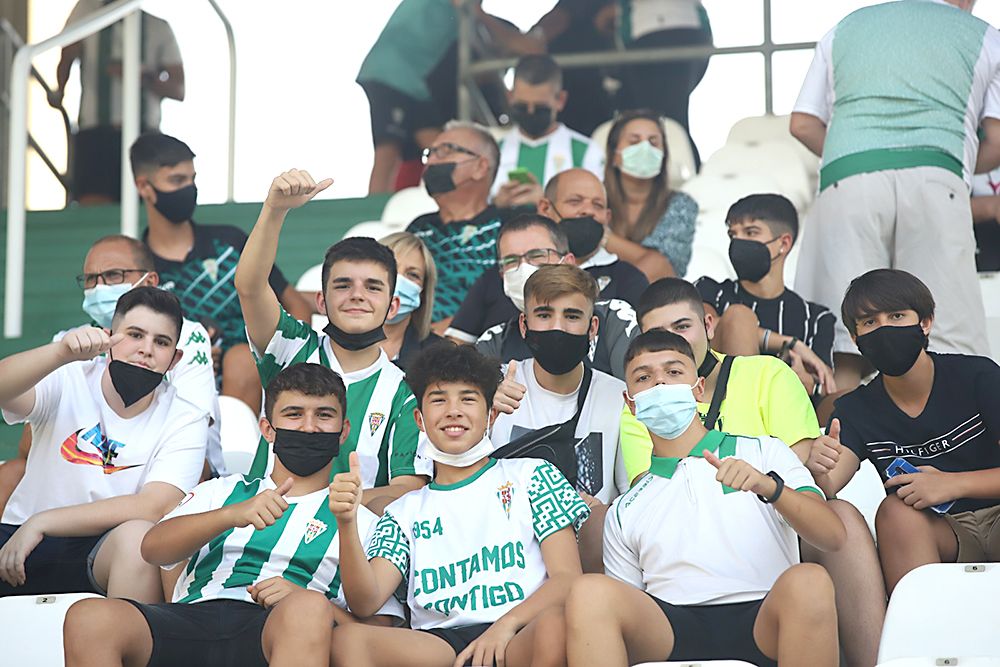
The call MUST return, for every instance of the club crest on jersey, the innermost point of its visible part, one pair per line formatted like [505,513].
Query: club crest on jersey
[375,420]
[314,528]
[211,266]
[603,282]
[505,492]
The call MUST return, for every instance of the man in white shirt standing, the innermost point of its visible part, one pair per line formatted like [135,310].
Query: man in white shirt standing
[540,147]
[115,448]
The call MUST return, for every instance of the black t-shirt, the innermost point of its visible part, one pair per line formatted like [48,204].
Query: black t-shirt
[789,314]
[958,431]
[203,281]
[486,305]
[412,346]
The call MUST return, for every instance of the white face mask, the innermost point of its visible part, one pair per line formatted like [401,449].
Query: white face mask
[642,160]
[513,283]
[482,449]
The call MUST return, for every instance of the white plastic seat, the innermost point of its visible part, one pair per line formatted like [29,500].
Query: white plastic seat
[31,628]
[311,280]
[778,159]
[989,284]
[865,491]
[699,663]
[680,154]
[376,229]
[756,129]
[240,434]
[406,205]
[944,610]
[957,661]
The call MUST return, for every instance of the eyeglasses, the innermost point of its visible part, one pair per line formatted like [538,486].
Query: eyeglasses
[446,150]
[535,257]
[109,277]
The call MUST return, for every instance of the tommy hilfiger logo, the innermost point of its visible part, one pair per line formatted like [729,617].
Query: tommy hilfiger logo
[375,420]
[314,528]
[505,493]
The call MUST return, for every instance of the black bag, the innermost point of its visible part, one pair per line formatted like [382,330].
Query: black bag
[555,443]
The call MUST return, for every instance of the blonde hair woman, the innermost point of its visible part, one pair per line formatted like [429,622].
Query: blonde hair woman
[416,276]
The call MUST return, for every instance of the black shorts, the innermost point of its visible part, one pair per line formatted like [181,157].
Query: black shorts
[216,633]
[715,632]
[396,117]
[56,565]
[460,638]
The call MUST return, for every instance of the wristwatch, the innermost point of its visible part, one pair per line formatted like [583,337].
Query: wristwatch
[777,492]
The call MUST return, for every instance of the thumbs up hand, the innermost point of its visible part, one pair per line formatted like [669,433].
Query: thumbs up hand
[345,492]
[824,452]
[293,188]
[740,475]
[262,510]
[510,392]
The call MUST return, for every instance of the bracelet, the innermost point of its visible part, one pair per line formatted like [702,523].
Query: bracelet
[777,492]
[763,345]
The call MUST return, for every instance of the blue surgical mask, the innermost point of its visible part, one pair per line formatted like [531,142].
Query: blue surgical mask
[666,409]
[642,160]
[409,298]
[100,301]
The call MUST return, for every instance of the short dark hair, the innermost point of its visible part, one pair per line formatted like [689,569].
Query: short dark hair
[447,362]
[658,340]
[538,69]
[883,291]
[773,210]
[154,150]
[525,221]
[666,292]
[360,249]
[308,379]
[141,254]
[154,298]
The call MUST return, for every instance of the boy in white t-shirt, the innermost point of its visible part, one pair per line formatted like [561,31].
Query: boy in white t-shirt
[697,568]
[114,449]
[486,552]
[262,583]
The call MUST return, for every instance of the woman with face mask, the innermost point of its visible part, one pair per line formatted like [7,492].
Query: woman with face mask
[652,226]
[409,331]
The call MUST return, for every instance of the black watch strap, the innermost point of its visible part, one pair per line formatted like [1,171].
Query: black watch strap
[777,492]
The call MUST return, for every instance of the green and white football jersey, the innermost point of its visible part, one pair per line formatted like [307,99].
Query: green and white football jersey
[302,546]
[470,552]
[379,406]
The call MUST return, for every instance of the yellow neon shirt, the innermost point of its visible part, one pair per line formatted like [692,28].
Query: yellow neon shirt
[763,397]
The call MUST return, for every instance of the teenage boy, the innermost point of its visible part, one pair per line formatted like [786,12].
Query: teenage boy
[762,231]
[197,262]
[559,325]
[263,567]
[930,424]
[731,589]
[486,552]
[114,449]
[359,277]
[539,144]
[762,396]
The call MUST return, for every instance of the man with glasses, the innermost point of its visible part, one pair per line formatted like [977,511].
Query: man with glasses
[113,266]
[525,243]
[460,167]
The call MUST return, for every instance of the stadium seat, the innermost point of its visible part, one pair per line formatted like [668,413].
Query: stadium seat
[865,491]
[240,434]
[957,661]
[406,205]
[498,132]
[943,610]
[989,284]
[375,229]
[699,663]
[778,159]
[715,192]
[31,628]
[680,155]
[756,129]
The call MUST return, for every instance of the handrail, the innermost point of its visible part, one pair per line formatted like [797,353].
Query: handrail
[15,38]
[231,152]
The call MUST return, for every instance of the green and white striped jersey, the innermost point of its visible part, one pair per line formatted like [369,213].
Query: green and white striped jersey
[379,406]
[471,551]
[302,546]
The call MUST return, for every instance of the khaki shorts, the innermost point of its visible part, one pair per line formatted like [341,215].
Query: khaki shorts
[978,534]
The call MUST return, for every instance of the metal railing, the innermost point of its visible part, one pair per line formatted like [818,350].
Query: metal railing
[129,12]
[467,70]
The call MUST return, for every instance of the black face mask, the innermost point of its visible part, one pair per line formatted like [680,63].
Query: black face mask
[558,352]
[439,178]
[893,350]
[584,234]
[532,123]
[133,383]
[751,259]
[352,342]
[177,206]
[303,453]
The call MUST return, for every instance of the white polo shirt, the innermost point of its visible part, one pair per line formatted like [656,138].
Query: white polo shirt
[682,537]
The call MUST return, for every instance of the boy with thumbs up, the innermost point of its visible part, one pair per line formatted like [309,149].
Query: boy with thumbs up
[115,447]
[262,553]
[702,554]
